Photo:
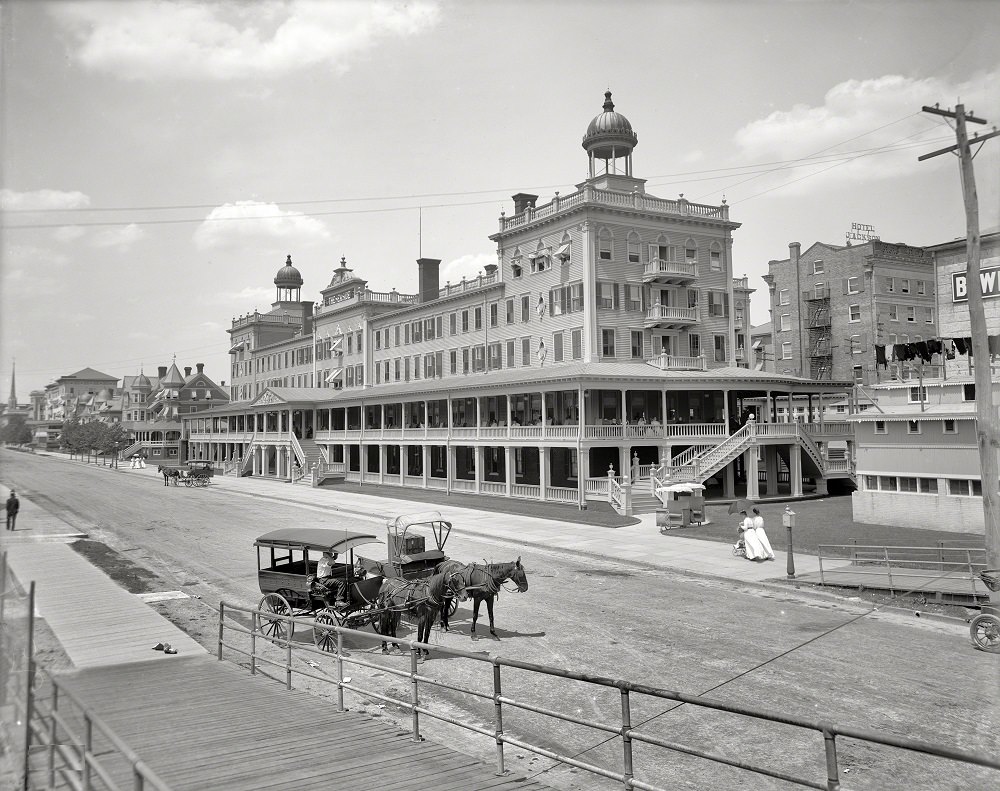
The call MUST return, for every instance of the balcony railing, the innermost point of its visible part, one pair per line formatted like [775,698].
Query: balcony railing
[658,268]
[664,314]
[675,362]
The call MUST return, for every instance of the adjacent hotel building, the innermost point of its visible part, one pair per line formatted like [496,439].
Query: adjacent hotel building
[609,338]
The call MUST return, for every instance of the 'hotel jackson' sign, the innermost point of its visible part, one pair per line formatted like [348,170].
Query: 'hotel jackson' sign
[989,277]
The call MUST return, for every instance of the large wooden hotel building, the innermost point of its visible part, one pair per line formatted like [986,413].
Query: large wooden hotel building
[608,339]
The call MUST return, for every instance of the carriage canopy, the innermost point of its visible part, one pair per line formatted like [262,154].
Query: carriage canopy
[315,538]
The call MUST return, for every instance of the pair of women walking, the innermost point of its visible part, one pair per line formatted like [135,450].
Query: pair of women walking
[752,536]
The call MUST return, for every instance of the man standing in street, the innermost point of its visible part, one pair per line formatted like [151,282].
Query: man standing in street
[13,506]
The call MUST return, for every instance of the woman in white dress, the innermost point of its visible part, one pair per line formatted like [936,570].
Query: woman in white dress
[754,550]
[758,529]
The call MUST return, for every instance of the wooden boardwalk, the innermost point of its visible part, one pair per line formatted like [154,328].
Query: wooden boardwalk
[203,724]
[898,579]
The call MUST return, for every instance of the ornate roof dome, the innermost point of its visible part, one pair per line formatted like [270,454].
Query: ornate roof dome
[142,382]
[609,134]
[288,276]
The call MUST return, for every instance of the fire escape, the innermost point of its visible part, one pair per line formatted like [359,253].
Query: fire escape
[820,348]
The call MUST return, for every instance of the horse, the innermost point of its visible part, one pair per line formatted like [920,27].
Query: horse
[168,473]
[483,582]
[422,598]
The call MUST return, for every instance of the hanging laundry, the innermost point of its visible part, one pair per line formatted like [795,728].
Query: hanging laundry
[934,346]
[880,360]
[994,344]
[900,352]
[949,348]
[921,351]
[960,345]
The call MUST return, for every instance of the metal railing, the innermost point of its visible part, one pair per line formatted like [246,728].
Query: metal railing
[633,771]
[905,569]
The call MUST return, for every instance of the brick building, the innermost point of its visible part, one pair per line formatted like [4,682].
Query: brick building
[831,305]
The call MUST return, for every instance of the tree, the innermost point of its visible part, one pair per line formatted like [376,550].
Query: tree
[16,431]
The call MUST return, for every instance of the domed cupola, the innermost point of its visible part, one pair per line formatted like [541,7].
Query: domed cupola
[610,137]
[289,282]
[142,383]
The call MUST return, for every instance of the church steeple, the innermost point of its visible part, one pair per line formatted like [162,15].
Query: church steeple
[12,399]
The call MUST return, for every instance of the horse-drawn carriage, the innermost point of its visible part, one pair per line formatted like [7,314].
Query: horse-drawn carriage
[287,562]
[193,473]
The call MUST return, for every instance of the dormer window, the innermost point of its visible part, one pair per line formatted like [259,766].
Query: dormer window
[540,261]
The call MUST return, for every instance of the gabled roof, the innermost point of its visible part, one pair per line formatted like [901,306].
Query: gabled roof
[90,373]
[173,377]
[761,329]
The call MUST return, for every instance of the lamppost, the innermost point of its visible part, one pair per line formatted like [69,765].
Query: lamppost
[788,519]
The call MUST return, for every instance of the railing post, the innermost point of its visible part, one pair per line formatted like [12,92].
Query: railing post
[222,607]
[626,738]
[832,774]
[888,571]
[972,574]
[53,739]
[288,654]
[498,717]
[254,626]
[88,748]
[340,671]
[414,696]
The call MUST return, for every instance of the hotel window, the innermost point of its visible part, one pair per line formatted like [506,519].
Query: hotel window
[557,301]
[859,378]
[817,267]
[887,483]
[478,314]
[349,376]
[358,344]
[893,313]
[453,359]
[525,351]
[871,483]
[907,484]
[948,427]
[378,341]
[577,344]
[694,345]
[959,488]
[904,285]
[853,313]
[783,297]
[453,323]
[690,252]
[718,303]
[785,322]
[465,321]
[928,485]
[378,374]
[856,347]
[854,285]
[633,252]
[880,427]
[557,347]
[510,311]
[921,288]
[428,366]
[575,303]
[636,344]
[510,353]
[397,334]
[918,394]
[416,366]
[494,314]
[525,308]
[395,366]
[604,246]
[786,350]
[607,343]
[429,329]
[416,332]
[911,313]
[969,392]
[540,262]
[607,296]
[515,267]
[930,316]
[465,361]
[478,358]
[350,348]
[912,426]
[493,357]
[716,260]
[633,297]
[720,348]
[438,322]
[890,284]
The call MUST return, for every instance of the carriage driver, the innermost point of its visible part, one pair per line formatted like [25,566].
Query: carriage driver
[324,575]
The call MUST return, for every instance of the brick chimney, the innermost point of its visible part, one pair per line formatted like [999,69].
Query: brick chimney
[793,253]
[522,201]
[187,371]
[162,371]
[307,318]
[429,276]
[200,367]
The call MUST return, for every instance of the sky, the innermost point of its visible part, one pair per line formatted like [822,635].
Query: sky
[161,159]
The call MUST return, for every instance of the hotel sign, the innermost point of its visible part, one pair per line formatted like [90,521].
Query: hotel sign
[989,279]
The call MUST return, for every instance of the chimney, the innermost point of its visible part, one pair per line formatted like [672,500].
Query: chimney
[490,270]
[307,318]
[187,371]
[523,201]
[200,367]
[793,253]
[429,276]
[162,371]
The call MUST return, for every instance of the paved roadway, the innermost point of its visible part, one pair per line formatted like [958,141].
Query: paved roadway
[638,616]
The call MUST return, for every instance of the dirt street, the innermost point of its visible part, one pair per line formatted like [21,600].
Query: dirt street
[780,652]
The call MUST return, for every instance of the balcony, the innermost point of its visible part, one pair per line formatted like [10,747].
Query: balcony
[674,362]
[667,317]
[670,272]
[819,319]
[817,293]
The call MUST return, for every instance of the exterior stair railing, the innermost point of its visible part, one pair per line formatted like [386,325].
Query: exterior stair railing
[807,443]
[247,462]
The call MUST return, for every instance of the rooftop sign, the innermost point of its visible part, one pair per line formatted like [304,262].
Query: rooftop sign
[862,232]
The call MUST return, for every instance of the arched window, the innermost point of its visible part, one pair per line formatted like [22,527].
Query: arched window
[691,251]
[715,254]
[633,248]
[604,244]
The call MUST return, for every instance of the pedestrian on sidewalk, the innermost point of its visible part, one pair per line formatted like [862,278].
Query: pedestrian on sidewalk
[758,529]
[13,506]
[754,550]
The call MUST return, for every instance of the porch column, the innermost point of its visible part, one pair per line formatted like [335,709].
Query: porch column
[543,471]
[750,465]
[381,463]
[507,399]
[478,450]
[769,414]
[725,410]
[791,410]
[508,458]
[663,407]
[821,413]
[771,469]
[809,409]
[347,458]
[583,473]
[449,463]
[729,481]
[427,455]
[479,422]
[624,408]
[795,455]
[404,462]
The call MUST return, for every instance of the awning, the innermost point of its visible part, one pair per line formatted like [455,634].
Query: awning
[563,251]
[334,375]
[237,347]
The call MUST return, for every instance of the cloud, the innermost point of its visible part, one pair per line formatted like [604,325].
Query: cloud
[470,265]
[243,300]
[251,223]
[42,200]
[154,39]
[861,115]
[68,233]
[32,258]
[122,238]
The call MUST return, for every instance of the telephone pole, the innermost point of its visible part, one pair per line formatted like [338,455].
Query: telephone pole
[987,420]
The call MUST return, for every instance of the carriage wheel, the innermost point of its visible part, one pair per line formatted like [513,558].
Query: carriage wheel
[294,599]
[187,482]
[274,628]
[985,631]
[326,639]
[452,606]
